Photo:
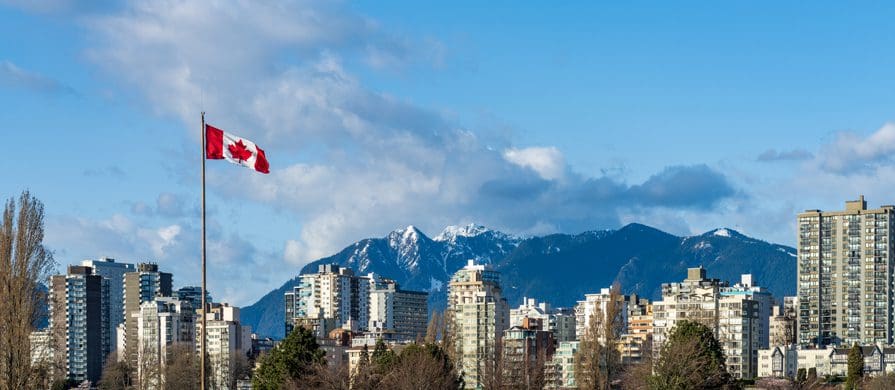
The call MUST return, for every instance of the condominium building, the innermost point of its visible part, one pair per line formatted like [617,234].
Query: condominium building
[404,313]
[527,351]
[331,298]
[79,309]
[731,312]
[335,298]
[739,333]
[561,373]
[161,323]
[143,285]
[845,275]
[748,289]
[114,272]
[694,299]
[783,327]
[479,315]
[638,339]
[42,355]
[226,341]
[598,304]
[192,295]
[560,321]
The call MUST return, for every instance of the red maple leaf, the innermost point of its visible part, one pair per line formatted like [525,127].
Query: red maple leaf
[239,151]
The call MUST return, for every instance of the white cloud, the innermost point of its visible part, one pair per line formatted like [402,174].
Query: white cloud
[277,74]
[548,162]
[850,151]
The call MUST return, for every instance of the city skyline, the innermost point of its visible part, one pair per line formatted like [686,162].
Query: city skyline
[376,116]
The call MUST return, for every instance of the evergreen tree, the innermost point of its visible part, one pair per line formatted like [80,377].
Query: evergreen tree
[691,358]
[855,368]
[383,357]
[293,359]
[364,357]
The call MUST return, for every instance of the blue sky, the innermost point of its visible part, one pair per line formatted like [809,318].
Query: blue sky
[375,115]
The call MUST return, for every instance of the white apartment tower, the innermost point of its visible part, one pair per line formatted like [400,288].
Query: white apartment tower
[592,303]
[331,298]
[226,340]
[335,298]
[845,268]
[479,315]
[731,312]
[161,323]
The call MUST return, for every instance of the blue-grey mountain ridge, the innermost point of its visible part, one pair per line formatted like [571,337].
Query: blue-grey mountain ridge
[557,268]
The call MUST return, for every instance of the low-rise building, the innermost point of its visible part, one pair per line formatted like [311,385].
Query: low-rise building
[786,361]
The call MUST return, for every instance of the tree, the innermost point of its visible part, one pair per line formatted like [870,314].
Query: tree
[855,367]
[691,358]
[117,375]
[637,375]
[239,369]
[182,367]
[290,361]
[432,329]
[323,377]
[383,358]
[363,377]
[149,366]
[422,367]
[598,362]
[24,263]
[494,372]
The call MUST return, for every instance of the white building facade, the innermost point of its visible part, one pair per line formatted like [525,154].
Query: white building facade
[479,315]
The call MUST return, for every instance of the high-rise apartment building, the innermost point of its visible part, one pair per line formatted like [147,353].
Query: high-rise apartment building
[114,272]
[331,298]
[731,312]
[405,313]
[559,321]
[638,338]
[192,295]
[143,285]
[598,304]
[79,310]
[161,323]
[335,298]
[226,341]
[479,315]
[527,349]
[845,275]
[748,289]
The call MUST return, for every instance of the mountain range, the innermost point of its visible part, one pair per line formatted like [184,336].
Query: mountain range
[556,268]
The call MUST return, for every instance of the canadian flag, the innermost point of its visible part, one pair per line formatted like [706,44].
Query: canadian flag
[222,145]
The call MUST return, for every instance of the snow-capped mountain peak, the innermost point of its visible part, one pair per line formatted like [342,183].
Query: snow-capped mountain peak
[721,232]
[450,233]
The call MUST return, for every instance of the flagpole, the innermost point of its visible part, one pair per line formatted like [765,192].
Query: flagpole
[204,307]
